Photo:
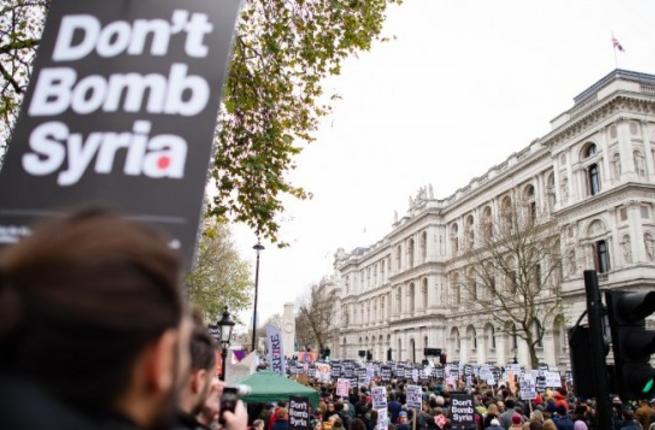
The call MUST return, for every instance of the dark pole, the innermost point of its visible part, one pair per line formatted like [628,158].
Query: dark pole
[594,317]
[223,358]
[257,248]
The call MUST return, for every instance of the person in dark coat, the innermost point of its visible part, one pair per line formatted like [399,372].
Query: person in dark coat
[94,331]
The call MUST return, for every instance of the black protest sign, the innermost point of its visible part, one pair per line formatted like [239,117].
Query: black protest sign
[299,413]
[462,411]
[120,111]
[385,373]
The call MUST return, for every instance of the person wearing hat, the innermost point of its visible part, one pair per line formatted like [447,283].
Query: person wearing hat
[517,422]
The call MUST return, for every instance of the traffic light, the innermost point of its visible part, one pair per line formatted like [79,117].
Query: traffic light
[580,351]
[632,343]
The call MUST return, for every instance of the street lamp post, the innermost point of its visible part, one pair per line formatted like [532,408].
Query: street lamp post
[258,247]
[224,326]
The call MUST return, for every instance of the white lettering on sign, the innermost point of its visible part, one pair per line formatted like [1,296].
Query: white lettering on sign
[120,37]
[57,90]
[52,143]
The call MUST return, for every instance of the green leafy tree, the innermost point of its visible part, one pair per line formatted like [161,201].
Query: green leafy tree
[273,96]
[219,277]
[21,24]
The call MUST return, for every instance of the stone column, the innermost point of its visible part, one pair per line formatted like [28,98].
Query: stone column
[557,191]
[550,356]
[625,148]
[482,346]
[501,348]
[464,348]
[606,179]
[636,232]
[650,163]
[574,195]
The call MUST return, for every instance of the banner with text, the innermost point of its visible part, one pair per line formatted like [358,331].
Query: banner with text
[462,412]
[120,112]
[275,356]
[299,413]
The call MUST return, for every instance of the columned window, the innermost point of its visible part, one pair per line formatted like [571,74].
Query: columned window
[594,179]
[602,257]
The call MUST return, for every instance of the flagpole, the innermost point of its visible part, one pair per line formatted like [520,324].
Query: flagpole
[616,59]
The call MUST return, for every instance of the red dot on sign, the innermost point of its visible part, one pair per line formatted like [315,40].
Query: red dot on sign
[163,162]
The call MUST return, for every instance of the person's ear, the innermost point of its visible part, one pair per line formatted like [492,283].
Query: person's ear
[199,380]
[160,362]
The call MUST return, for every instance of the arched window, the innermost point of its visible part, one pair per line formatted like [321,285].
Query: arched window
[506,212]
[530,202]
[424,246]
[550,191]
[473,285]
[412,298]
[424,293]
[491,336]
[473,338]
[602,257]
[487,226]
[457,342]
[589,150]
[594,179]
[456,290]
[410,252]
[470,232]
[454,239]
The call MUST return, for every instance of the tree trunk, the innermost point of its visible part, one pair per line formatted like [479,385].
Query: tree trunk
[534,360]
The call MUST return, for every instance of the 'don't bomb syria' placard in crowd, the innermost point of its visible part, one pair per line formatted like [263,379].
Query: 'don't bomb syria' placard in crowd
[120,111]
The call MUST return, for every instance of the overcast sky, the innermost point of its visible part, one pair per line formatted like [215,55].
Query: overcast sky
[464,84]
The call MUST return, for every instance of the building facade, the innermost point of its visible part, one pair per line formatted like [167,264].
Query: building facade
[591,178]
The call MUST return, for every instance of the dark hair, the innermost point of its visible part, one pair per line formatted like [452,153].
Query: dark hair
[357,424]
[536,425]
[203,346]
[79,300]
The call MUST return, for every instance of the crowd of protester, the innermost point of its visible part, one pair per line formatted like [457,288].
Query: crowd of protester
[495,409]
[95,334]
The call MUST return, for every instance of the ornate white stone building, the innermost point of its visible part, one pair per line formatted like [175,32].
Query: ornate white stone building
[592,176]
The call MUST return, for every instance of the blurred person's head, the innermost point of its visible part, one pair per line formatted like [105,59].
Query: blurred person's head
[92,312]
[549,424]
[258,425]
[203,363]
[357,424]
